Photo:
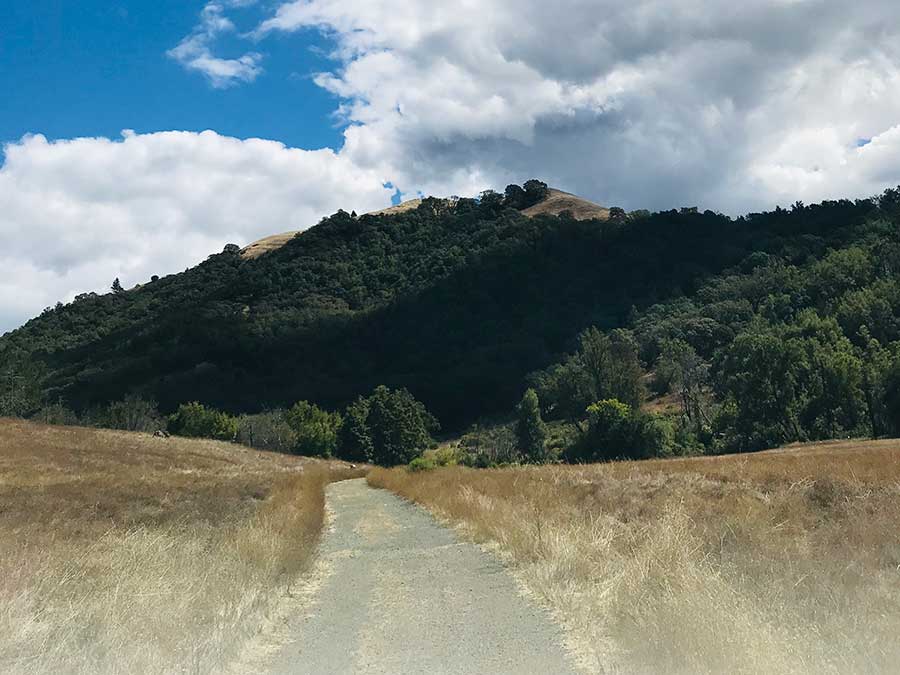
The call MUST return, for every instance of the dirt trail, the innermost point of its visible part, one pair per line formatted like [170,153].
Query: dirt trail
[403,595]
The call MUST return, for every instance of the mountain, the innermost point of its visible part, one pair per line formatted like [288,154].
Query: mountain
[457,300]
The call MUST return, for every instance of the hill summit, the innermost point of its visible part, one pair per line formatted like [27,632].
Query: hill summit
[553,202]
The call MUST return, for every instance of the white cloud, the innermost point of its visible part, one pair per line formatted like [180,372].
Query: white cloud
[194,52]
[76,214]
[649,103]
[644,104]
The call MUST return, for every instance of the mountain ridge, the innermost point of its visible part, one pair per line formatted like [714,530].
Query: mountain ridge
[555,202]
[456,302]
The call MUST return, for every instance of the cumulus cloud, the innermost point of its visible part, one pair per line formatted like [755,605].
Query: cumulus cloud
[645,104]
[194,52]
[642,104]
[76,214]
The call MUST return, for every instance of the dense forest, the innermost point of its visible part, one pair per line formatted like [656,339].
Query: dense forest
[767,328]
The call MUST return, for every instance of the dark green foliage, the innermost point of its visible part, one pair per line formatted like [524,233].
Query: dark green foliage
[792,382]
[196,420]
[390,427]
[680,370]
[605,366]
[315,430]
[400,427]
[891,398]
[531,193]
[531,433]
[20,383]
[354,437]
[458,302]
[617,431]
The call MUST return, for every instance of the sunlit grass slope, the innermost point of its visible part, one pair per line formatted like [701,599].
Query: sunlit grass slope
[122,552]
[780,562]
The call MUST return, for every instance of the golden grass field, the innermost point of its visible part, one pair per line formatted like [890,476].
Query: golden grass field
[125,553]
[786,561]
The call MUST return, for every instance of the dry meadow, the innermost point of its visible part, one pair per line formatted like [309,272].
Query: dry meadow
[780,562]
[125,553]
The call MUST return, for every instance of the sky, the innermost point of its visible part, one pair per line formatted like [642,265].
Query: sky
[139,137]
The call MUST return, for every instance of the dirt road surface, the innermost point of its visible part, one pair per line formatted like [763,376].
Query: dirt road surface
[401,594]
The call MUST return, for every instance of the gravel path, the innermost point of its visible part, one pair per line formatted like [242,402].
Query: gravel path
[403,595]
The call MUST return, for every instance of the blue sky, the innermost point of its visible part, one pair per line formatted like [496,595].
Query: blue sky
[93,67]
[252,117]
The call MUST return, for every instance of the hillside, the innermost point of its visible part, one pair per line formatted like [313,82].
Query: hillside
[142,554]
[554,203]
[457,301]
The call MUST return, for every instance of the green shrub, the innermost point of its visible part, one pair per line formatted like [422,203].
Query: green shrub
[315,430]
[617,431]
[444,456]
[422,464]
[196,420]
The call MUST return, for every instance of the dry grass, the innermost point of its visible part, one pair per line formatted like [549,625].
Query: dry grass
[266,244]
[558,201]
[122,552]
[779,562]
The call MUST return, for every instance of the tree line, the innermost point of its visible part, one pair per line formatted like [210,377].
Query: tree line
[754,331]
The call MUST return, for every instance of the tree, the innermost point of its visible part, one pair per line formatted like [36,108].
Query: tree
[891,398]
[686,374]
[400,426]
[390,427]
[791,382]
[117,286]
[267,430]
[876,365]
[759,376]
[605,366]
[133,413]
[316,430]
[196,420]
[618,431]
[531,433]
[535,192]
[354,437]
[20,384]
[514,197]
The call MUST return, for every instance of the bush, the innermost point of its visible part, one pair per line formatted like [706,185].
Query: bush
[617,431]
[268,431]
[422,464]
[315,430]
[132,413]
[56,414]
[196,420]
[486,447]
